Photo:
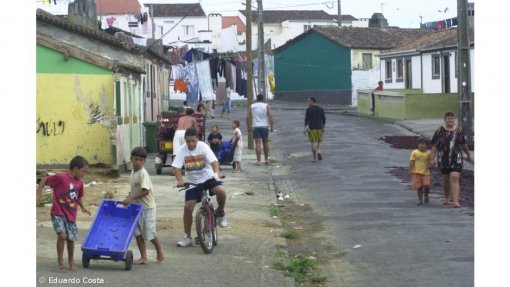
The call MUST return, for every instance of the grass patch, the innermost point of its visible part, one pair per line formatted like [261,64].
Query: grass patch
[274,210]
[280,253]
[45,199]
[301,270]
[290,234]
[249,193]
[240,104]
[274,160]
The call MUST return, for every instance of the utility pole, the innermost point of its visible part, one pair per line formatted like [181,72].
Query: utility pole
[464,71]
[249,67]
[153,24]
[339,13]
[261,75]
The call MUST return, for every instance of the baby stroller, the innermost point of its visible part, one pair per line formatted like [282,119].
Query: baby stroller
[226,154]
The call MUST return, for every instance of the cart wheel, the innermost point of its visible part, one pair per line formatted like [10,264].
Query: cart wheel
[85,261]
[129,260]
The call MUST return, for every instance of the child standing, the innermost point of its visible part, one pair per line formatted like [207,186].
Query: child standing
[238,152]
[214,140]
[143,192]
[67,195]
[226,105]
[419,170]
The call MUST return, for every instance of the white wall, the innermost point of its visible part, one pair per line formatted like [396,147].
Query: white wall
[429,85]
[415,72]
[362,80]
[122,22]
[289,30]
[198,23]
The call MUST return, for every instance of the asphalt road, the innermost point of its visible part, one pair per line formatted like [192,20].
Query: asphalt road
[398,243]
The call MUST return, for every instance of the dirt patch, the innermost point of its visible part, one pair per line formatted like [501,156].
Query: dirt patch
[406,142]
[467,179]
[309,224]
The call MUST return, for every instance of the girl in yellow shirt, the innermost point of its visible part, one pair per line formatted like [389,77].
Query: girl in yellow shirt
[419,170]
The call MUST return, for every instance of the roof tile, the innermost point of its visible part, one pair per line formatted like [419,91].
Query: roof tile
[108,7]
[177,10]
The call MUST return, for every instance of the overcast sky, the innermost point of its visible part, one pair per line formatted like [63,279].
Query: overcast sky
[401,13]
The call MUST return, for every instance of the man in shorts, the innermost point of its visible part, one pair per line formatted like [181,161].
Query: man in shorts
[315,121]
[260,120]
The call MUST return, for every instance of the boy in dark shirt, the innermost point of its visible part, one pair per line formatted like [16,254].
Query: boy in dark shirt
[214,140]
[315,121]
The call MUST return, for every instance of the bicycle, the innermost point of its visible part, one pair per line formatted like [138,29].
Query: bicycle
[205,220]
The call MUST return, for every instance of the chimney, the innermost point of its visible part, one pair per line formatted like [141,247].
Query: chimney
[83,12]
[378,21]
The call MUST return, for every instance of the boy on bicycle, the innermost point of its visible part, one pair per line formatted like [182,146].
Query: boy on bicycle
[201,166]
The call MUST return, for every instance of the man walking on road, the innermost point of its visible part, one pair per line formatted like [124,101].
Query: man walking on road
[315,121]
[260,118]
[184,123]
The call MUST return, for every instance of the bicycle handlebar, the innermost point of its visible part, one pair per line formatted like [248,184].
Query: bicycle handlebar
[188,185]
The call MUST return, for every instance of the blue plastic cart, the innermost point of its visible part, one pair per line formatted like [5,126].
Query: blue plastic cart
[111,233]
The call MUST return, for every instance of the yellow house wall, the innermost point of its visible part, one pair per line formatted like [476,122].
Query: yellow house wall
[74,112]
[357,58]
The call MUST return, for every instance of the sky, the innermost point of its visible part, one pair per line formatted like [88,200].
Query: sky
[401,13]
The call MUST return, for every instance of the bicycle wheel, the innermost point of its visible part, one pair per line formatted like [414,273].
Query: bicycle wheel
[214,225]
[204,232]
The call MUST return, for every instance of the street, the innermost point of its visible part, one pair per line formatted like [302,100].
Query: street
[381,237]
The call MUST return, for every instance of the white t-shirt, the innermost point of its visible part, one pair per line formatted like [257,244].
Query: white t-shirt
[197,162]
[259,115]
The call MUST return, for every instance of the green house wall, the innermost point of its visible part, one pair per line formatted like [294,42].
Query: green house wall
[313,63]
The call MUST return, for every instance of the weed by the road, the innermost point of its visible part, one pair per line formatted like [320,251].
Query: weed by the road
[240,104]
[249,193]
[280,253]
[274,210]
[301,270]
[290,234]
[45,199]
[274,160]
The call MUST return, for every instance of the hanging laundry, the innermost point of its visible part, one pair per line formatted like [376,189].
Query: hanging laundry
[204,79]
[233,74]
[454,21]
[180,85]
[110,20]
[439,25]
[55,1]
[213,64]
[448,23]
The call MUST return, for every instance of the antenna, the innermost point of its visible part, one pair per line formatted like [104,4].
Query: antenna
[382,7]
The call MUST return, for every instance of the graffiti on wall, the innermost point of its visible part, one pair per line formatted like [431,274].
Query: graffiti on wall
[95,114]
[50,127]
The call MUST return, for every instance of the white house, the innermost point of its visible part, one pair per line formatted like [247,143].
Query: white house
[429,63]
[281,26]
[127,15]
[178,22]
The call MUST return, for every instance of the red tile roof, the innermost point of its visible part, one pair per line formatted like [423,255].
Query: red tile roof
[227,21]
[106,7]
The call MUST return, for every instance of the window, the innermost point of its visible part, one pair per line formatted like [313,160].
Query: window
[400,70]
[160,30]
[389,74]
[189,30]
[366,61]
[436,67]
[307,27]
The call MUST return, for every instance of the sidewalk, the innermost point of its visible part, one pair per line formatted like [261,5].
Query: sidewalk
[246,249]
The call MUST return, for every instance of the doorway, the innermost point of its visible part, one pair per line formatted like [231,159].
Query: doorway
[408,79]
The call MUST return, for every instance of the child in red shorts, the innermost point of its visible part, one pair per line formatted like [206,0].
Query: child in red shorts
[419,170]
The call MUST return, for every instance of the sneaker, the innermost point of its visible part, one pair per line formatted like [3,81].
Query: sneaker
[319,156]
[221,219]
[185,241]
